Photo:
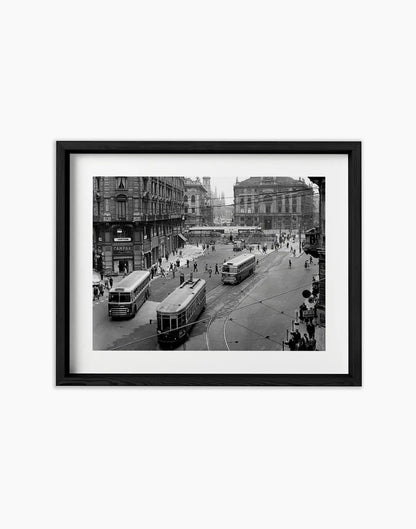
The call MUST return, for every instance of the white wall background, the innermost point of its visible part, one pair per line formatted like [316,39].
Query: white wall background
[186,458]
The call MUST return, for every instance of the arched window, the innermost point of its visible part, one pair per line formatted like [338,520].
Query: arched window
[185,198]
[193,199]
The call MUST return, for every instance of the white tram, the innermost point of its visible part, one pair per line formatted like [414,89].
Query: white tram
[237,269]
[179,310]
[128,296]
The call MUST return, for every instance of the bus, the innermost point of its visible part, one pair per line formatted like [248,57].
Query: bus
[128,296]
[237,269]
[179,310]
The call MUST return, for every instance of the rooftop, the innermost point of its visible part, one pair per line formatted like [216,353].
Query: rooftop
[258,181]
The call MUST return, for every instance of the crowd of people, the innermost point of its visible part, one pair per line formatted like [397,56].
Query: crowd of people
[307,342]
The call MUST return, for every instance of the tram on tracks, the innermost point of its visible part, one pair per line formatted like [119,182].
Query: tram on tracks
[126,298]
[237,269]
[177,312]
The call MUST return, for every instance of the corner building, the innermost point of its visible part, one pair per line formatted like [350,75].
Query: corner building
[136,220]
[197,200]
[274,203]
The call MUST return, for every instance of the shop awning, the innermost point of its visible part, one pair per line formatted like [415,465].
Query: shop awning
[182,237]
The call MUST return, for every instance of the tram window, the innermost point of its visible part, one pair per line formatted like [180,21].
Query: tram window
[181,319]
[173,322]
[165,323]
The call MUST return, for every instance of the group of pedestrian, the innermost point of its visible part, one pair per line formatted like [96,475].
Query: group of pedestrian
[307,342]
[99,289]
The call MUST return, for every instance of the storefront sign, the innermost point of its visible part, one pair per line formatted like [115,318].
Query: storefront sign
[309,313]
[122,239]
[122,250]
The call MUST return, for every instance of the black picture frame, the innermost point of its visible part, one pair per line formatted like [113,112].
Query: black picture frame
[64,149]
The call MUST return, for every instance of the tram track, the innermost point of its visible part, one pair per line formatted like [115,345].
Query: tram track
[223,299]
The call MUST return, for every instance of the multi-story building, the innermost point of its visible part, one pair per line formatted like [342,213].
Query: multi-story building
[197,200]
[136,220]
[274,203]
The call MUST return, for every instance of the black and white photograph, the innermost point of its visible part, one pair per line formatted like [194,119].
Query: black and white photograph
[206,263]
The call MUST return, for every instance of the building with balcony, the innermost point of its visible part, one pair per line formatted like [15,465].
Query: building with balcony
[274,203]
[315,246]
[136,220]
[197,202]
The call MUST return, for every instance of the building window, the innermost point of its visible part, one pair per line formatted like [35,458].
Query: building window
[193,210]
[121,206]
[124,233]
[294,204]
[193,199]
[121,210]
[121,182]
[268,208]
[185,198]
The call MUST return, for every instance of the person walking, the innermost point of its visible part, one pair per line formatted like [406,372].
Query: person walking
[111,282]
[181,278]
[206,267]
[96,293]
[210,272]
[101,288]
[195,266]
[187,263]
[310,327]
[101,275]
[310,259]
[216,268]
[306,264]
[178,263]
[106,282]
[290,263]
[297,336]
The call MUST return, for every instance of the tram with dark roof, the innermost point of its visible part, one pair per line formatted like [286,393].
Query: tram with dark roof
[237,269]
[178,312]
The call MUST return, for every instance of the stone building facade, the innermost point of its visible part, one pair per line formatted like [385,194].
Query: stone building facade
[136,220]
[274,203]
[197,202]
[319,248]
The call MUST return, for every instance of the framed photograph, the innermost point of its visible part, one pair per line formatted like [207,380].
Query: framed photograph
[208,263]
